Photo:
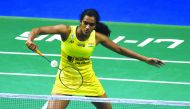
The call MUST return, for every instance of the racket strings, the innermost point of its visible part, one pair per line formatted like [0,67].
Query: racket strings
[71,77]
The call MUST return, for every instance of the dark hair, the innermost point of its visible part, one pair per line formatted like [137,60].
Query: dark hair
[100,27]
[90,12]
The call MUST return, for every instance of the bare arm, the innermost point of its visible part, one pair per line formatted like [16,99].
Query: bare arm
[100,38]
[57,29]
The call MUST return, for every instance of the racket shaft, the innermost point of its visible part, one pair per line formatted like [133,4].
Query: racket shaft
[40,53]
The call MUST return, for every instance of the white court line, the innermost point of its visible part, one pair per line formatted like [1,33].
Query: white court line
[100,78]
[93,57]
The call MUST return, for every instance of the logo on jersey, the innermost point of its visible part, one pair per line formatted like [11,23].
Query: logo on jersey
[91,44]
[72,38]
[81,45]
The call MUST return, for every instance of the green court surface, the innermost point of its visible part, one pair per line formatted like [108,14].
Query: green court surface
[24,72]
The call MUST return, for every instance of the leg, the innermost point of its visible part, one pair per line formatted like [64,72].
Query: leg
[58,104]
[100,105]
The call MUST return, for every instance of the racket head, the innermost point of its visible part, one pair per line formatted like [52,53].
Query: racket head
[71,77]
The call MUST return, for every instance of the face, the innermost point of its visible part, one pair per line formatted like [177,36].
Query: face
[88,24]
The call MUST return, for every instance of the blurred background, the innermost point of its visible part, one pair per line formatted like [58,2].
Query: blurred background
[169,12]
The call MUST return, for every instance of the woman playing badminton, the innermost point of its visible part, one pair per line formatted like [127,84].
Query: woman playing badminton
[77,45]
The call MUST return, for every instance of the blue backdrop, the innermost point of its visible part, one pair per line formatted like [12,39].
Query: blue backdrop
[170,12]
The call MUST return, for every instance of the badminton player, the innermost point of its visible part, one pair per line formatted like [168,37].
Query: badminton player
[77,45]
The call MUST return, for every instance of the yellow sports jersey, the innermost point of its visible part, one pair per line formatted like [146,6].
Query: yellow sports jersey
[75,48]
[77,53]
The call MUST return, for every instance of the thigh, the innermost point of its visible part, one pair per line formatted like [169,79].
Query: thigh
[57,104]
[102,105]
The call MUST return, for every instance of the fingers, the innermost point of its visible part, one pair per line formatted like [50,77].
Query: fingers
[158,65]
[155,62]
[31,45]
[159,62]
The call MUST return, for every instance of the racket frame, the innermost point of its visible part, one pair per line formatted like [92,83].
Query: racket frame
[62,70]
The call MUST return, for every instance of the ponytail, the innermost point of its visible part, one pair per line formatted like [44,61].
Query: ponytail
[102,28]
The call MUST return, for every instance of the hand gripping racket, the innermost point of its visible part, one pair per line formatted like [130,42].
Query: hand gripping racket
[69,76]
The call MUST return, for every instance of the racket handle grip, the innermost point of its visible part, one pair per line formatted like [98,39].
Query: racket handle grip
[39,52]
